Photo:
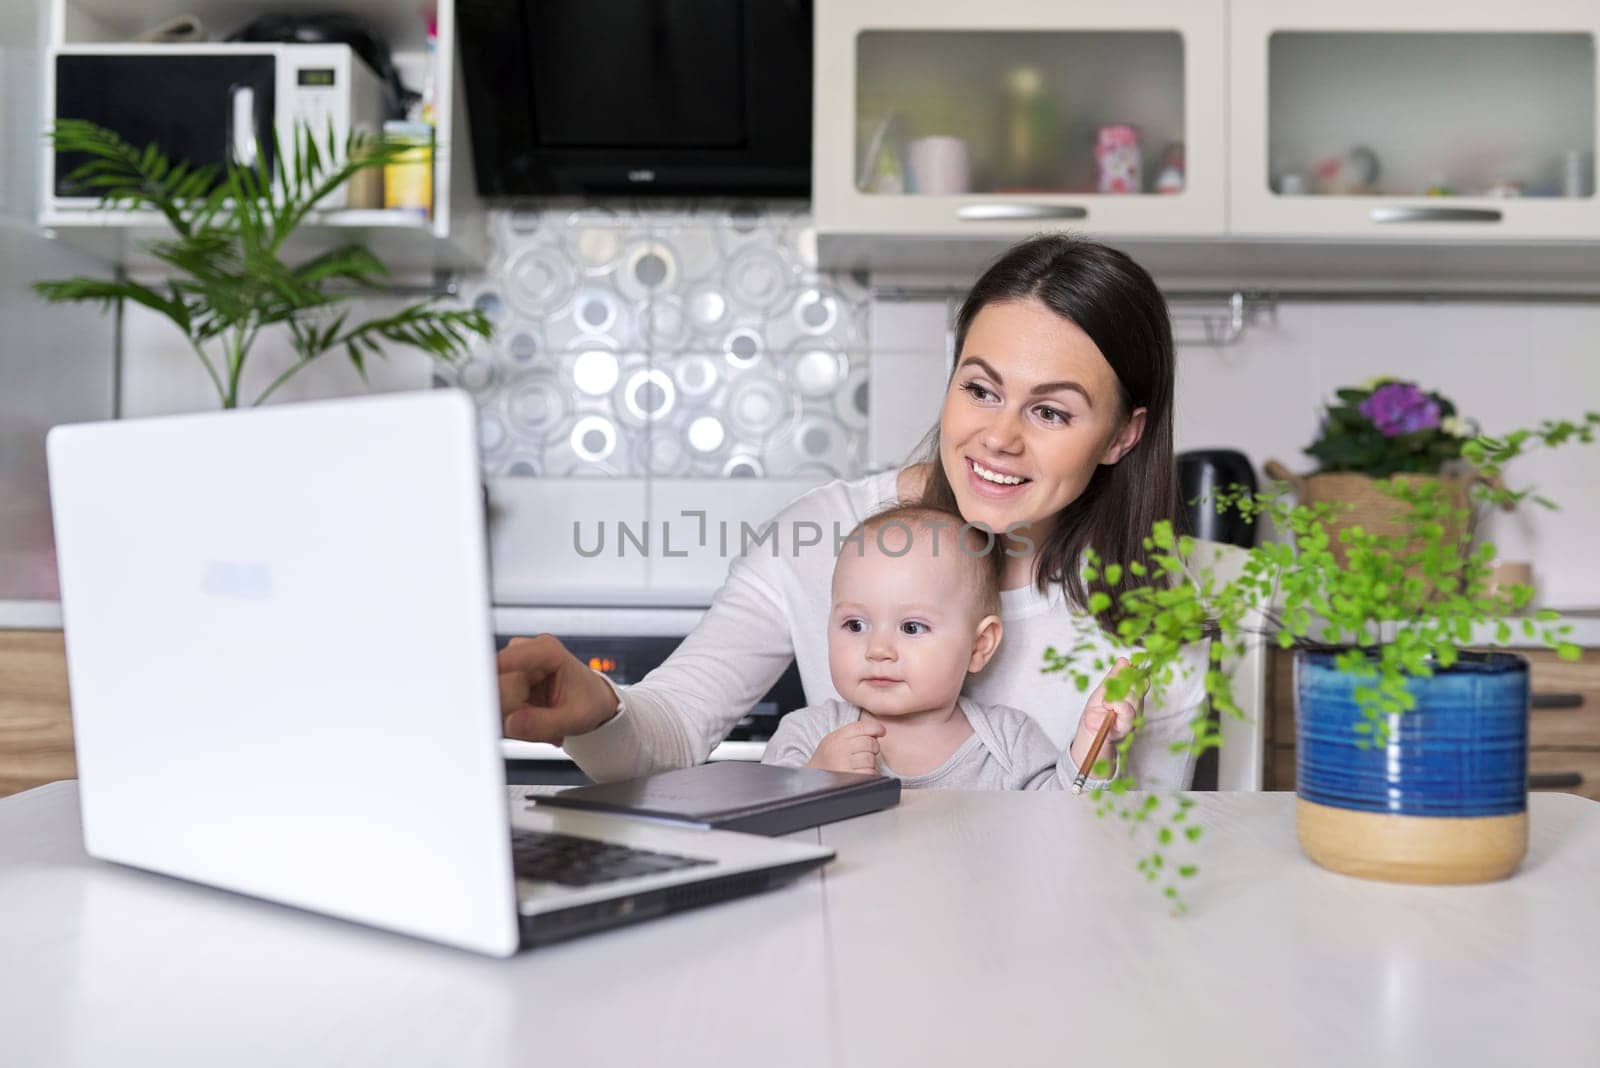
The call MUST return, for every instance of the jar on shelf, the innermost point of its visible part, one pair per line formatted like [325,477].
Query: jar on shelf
[1118,162]
[1169,179]
[1030,152]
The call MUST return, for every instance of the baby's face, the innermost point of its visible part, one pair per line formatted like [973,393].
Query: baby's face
[901,632]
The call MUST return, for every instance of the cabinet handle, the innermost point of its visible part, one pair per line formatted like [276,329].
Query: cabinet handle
[1555,780]
[1399,215]
[995,212]
[1556,700]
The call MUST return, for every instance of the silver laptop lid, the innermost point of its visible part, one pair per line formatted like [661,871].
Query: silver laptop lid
[281,657]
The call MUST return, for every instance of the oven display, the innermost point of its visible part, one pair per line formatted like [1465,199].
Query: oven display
[314,76]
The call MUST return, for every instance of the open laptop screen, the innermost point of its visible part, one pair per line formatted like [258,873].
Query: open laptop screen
[281,657]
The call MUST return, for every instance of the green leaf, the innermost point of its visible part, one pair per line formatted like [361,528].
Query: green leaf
[228,280]
[351,263]
[106,293]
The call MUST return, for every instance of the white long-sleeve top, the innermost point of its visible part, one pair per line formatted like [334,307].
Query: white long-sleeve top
[774,606]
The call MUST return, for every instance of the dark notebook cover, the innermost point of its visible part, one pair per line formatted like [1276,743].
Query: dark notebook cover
[734,795]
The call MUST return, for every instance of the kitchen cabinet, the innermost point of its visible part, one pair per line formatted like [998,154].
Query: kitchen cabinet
[35,718]
[984,119]
[1411,146]
[1413,120]
[1563,727]
[452,236]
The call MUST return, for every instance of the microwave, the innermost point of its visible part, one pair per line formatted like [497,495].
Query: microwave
[638,97]
[212,103]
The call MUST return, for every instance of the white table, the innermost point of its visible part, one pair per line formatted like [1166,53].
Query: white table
[957,929]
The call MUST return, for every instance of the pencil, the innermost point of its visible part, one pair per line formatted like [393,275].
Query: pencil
[1094,750]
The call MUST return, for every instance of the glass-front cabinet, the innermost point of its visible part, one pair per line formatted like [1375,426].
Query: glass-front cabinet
[1413,121]
[998,117]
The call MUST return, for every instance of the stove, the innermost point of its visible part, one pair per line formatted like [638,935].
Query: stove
[626,643]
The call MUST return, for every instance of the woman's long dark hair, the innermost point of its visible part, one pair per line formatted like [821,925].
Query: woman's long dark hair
[1116,302]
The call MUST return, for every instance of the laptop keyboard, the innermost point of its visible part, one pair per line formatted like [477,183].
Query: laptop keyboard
[573,861]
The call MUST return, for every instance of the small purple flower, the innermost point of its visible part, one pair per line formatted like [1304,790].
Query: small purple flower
[1400,408]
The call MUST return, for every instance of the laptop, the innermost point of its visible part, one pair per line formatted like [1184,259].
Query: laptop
[283,682]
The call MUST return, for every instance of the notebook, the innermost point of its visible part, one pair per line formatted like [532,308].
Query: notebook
[735,795]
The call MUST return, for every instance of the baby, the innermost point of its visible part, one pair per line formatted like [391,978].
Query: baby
[915,609]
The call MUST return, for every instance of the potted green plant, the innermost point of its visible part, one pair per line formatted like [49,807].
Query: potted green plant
[1406,772]
[230,279]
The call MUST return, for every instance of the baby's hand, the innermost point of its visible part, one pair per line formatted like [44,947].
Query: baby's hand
[853,747]
[1096,713]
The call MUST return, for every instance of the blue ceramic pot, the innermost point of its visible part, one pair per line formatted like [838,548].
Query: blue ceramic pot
[1444,800]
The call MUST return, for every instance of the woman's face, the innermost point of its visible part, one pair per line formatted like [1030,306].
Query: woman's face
[1032,410]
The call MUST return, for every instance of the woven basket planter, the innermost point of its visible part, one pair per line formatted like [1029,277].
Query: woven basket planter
[1367,506]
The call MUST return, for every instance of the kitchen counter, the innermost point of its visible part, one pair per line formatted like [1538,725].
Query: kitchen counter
[669,618]
[30,615]
[680,619]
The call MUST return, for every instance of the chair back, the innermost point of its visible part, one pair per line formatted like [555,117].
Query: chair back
[1240,761]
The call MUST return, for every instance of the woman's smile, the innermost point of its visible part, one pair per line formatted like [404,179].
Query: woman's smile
[1033,409]
[994,481]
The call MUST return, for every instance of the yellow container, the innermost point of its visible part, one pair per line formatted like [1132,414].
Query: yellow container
[408,181]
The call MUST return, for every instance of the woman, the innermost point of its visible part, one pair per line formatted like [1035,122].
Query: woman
[1056,428]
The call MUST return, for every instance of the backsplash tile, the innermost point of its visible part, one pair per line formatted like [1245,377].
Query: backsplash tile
[668,344]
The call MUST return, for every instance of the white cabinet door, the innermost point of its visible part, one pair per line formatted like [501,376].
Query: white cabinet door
[994,118]
[1414,121]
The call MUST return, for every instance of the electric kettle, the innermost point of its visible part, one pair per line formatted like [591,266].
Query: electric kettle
[1200,474]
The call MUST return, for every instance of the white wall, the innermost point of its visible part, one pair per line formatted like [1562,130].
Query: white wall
[1506,365]
[161,374]
[55,362]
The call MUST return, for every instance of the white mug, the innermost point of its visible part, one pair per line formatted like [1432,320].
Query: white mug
[940,165]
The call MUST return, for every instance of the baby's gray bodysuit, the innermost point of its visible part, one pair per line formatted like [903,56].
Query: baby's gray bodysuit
[1007,750]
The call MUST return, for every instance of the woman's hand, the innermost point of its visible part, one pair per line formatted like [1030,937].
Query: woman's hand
[853,747]
[546,693]
[1096,712]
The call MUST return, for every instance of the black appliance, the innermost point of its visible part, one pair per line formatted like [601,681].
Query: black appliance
[335,29]
[1200,474]
[684,97]
[190,103]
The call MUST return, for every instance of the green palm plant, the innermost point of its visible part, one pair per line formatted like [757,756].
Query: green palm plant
[230,279]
